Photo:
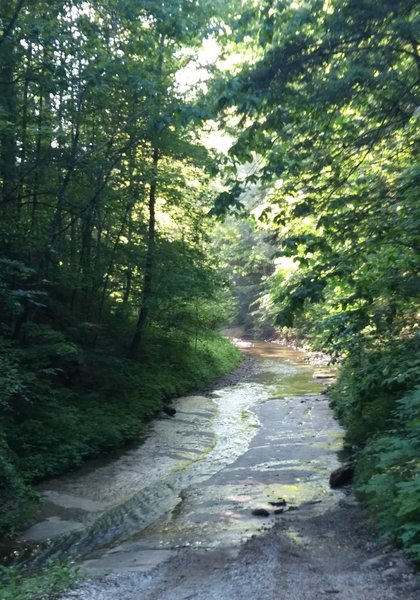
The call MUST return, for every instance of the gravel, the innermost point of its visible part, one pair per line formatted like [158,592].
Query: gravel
[305,557]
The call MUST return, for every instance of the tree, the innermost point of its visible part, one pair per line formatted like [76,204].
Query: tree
[108,295]
[330,111]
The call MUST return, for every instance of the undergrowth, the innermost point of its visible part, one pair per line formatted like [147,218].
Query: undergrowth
[377,398]
[64,404]
[42,585]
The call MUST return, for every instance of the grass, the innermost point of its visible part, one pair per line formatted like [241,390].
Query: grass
[46,584]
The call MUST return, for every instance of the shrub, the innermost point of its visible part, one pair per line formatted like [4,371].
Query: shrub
[388,475]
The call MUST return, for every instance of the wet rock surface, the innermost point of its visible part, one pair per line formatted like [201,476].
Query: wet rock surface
[260,512]
[313,557]
[341,476]
[268,442]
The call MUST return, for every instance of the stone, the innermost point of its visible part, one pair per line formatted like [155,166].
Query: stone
[260,512]
[391,572]
[279,502]
[323,375]
[341,476]
[169,410]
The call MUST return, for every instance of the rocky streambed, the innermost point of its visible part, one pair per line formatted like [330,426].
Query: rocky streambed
[227,499]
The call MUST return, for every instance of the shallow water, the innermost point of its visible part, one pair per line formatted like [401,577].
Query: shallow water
[196,478]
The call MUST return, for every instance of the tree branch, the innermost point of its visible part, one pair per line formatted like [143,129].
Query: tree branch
[12,21]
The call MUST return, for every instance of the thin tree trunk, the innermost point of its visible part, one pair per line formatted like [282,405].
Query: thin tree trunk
[8,108]
[143,317]
[12,17]
[126,220]
[38,171]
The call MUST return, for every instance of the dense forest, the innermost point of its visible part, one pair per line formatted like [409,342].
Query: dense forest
[109,294]
[128,237]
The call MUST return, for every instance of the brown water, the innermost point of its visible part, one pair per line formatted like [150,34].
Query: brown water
[196,478]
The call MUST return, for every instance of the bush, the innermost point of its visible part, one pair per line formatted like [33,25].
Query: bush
[388,475]
[64,403]
[43,585]
[377,399]
[369,384]
[16,497]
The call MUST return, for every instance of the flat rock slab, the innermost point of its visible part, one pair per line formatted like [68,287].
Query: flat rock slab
[52,527]
[310,558]
[267,445]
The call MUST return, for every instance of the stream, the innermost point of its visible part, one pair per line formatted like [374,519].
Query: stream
[196,478]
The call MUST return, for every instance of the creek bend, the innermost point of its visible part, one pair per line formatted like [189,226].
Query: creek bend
[196,478]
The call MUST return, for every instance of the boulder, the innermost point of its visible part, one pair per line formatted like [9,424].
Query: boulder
[260,512]
[169,410]
[341,476]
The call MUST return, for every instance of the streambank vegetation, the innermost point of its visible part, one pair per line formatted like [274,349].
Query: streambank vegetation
[109,296]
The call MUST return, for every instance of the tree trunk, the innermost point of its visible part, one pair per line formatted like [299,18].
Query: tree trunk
[143,317]
[8,108]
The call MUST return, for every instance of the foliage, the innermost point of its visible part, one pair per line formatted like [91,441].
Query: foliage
[371,384]
[388,475]
[16,497]
[104,188]
[43,585]
[245,262]
[329,110]
[336,134]
[377,398]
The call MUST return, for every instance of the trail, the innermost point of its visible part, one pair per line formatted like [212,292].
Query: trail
[173,519]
